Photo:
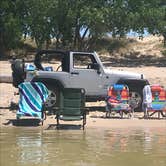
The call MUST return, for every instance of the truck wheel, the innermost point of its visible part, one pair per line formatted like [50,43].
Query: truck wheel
[136,97]
[18,73]
[136,91]
[52,99]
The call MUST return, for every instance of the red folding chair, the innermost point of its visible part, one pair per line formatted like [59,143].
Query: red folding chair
[158,102]
[117,101]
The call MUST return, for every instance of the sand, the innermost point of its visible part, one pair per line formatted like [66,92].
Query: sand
[156,75]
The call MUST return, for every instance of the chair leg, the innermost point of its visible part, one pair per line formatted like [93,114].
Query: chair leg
[121,114]
[162,113]
[107,114]
[107,111]
[152,113]
[83,123]
[57,120]
[43,117]
[84,120]
[130,115]
[158,114]
[132,112]
[83,126]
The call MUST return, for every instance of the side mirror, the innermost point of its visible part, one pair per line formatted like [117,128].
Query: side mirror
[96,66]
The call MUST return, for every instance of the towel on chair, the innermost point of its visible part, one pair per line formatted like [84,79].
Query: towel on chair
[32,97]
[147,96]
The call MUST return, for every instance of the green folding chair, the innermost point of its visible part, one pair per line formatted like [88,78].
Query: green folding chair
[71,105]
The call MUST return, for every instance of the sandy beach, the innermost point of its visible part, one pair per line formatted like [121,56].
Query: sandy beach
[156,75]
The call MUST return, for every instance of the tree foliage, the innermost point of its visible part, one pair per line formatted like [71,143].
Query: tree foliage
[77,24]
[10,28]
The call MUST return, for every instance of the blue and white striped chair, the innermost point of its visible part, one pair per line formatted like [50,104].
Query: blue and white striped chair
[32,97]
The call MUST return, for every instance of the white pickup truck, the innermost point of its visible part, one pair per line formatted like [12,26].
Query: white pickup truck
[70,69]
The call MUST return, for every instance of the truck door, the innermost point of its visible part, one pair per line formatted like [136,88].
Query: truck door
[84,73]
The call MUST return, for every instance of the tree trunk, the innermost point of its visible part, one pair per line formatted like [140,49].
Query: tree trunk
[77,32]
[57,40]
[38,44]
[164,35]
[2,46]
[81,45]
[48,42]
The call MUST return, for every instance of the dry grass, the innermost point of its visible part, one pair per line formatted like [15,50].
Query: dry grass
[151,45]
[134,52]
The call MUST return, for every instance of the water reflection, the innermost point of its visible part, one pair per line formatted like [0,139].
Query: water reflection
[26,146]
[137,140]
[31,149]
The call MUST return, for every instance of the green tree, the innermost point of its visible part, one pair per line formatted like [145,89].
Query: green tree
[156,19]
[10,29]
[77,24]
[87,21]
[149,15]
[35,20]
[117,17]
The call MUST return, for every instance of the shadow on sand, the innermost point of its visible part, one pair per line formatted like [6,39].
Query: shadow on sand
[23,122]
[110,117]
[37,122]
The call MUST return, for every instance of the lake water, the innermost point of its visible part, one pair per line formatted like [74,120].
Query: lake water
[24,146]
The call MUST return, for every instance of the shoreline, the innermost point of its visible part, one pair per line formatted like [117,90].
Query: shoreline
[8,120]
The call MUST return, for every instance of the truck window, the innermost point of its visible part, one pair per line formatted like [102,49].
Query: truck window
[50,60]
[53,62]
[82,61]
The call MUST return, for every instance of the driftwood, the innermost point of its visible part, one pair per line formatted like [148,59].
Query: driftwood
[6,78]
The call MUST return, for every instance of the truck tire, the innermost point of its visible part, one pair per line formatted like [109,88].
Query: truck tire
[136,91]
[136,95]
[54,87]
[18,73]
[52,101]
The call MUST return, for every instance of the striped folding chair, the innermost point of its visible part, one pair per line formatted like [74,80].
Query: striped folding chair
[158,102]
[33,95]
[117,100]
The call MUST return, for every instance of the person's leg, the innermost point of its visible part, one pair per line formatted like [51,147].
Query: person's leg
[145,110]
[107,110]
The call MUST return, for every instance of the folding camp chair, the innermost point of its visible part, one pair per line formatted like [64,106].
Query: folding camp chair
[71,105]
[117,101]
[158,102]
[33,95]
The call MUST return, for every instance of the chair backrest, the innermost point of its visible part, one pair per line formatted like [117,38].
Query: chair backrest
[158,93]
[72,101]
[32,97]
[158,97]
[119,92]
